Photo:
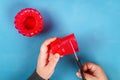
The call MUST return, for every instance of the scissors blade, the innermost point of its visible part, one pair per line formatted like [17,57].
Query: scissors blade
[75,54]
[78,62]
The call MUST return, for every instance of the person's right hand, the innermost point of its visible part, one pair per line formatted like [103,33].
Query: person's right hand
[92,72]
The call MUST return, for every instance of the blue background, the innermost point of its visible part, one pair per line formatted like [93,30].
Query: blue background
[96,24]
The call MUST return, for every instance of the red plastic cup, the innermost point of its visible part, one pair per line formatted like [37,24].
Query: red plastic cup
[63,46]
[29,22]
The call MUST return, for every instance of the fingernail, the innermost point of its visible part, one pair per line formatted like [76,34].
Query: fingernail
[61,56]
[57,55]
[77,74]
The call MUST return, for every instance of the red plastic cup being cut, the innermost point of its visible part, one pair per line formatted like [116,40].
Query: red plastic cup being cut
[63,47]
[29,22]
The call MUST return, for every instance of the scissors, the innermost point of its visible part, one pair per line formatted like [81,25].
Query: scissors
[78,62]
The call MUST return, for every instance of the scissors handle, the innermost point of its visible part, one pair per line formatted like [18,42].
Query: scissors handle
[81,69]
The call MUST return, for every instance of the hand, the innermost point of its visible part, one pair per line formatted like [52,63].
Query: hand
[92,72]
[46,60]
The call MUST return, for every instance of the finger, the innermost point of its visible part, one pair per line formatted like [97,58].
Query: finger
[43,57]
[78,75]
[44,47]
[92,68]
[93,71]
[61,56]
[89,66]
[52,63]
[50,55]
[90,77]
[87,76]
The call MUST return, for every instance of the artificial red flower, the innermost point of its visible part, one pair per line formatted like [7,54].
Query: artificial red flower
[29,22]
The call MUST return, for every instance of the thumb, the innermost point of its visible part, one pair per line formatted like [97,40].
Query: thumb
[87,76]
[53,61]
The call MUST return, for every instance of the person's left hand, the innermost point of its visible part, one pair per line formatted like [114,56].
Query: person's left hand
[46,60]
